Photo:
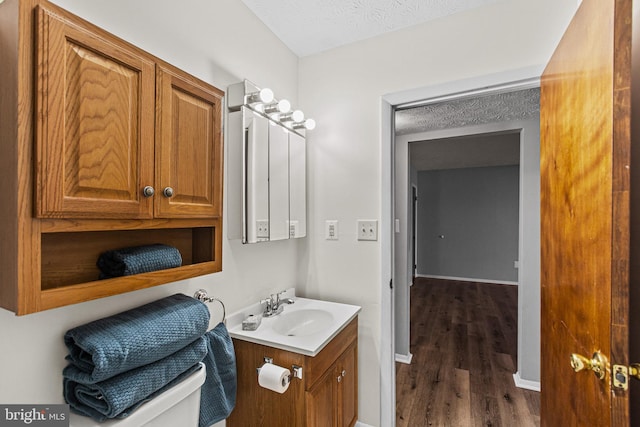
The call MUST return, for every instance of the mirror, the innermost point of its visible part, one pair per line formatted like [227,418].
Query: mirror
[274,177]
[256,173]
[297,186]
[278,183]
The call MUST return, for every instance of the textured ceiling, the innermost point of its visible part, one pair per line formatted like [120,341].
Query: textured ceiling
[312,26]
[518,105]
[466,152]
[469,151]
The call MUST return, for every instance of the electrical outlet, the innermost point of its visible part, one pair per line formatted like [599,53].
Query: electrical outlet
[293,229]
[262,228]
[367,229]
[331,230]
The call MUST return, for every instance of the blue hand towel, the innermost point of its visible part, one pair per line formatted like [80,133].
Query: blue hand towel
[137,259]
[112,345]
[119,396]
[218,393]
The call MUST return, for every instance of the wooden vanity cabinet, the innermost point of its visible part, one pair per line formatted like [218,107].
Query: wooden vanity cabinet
[104,146]
[327,394]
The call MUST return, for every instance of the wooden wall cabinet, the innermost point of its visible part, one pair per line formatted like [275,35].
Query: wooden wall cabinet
[106,146]
[327,394]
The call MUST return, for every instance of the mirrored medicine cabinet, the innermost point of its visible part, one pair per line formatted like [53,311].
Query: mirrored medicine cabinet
[267,172]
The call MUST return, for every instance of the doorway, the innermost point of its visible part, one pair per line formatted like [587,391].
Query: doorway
[527,374]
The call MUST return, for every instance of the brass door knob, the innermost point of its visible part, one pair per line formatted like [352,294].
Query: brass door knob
[597,364]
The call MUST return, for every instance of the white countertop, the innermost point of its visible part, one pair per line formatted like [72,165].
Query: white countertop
[307,344]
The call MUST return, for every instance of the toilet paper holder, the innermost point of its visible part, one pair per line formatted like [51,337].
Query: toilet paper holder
[295,369]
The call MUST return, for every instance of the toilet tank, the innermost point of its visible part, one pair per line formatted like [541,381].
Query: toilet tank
[178,406]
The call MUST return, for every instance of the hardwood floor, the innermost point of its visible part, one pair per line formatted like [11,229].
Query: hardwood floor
[463,341]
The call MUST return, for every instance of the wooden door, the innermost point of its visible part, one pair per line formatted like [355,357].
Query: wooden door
[585,163]
[94,122]
[188,147]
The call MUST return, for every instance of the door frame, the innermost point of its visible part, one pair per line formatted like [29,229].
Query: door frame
[518,79]
[414,232]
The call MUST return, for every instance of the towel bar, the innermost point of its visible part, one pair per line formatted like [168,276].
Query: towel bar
[201,295]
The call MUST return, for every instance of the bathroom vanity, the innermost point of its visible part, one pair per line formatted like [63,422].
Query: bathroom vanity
[325,348]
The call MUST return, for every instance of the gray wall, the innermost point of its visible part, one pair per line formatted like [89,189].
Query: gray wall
[476,210]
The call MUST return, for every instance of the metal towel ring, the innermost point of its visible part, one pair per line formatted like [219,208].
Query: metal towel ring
[201,295]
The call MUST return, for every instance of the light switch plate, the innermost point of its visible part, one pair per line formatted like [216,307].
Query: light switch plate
[331,229]
[367,229]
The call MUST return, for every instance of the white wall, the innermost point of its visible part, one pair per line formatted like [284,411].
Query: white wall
[342,88]
[221,42]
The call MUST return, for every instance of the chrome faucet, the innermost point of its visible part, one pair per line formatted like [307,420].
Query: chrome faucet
[273,304]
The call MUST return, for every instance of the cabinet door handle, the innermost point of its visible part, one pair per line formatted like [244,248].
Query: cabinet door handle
[343,373]
[339,379]
[168,192]
[148,191]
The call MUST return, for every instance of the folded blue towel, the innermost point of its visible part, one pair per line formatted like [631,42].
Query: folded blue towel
[138,259]
[137,337]
[218,393]
[119,396]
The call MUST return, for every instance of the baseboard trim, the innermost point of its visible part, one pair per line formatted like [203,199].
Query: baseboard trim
[404,358]
[468,279]
[526,384]
[361,424]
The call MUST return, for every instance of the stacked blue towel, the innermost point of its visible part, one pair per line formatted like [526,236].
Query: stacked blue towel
[119,396]
[118,362]
[138,259]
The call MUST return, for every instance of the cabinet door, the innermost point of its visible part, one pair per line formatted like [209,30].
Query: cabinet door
[94,123]
[347,370]
[188,147]
[321,401]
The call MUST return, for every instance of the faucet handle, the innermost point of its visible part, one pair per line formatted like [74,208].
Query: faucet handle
[268,302]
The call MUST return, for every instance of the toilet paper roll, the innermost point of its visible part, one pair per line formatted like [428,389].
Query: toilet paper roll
[274,377]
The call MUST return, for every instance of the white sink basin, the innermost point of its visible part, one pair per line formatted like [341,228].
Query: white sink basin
[303,327]
[302,322]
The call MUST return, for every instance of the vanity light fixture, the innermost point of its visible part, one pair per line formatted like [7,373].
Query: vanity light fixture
[263,101]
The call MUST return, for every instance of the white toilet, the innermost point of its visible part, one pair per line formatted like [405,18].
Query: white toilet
[178,406]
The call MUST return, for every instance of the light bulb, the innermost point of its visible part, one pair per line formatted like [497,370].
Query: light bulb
[284,106]
[265,96]
[297,116]
[310,124]
[277,108]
